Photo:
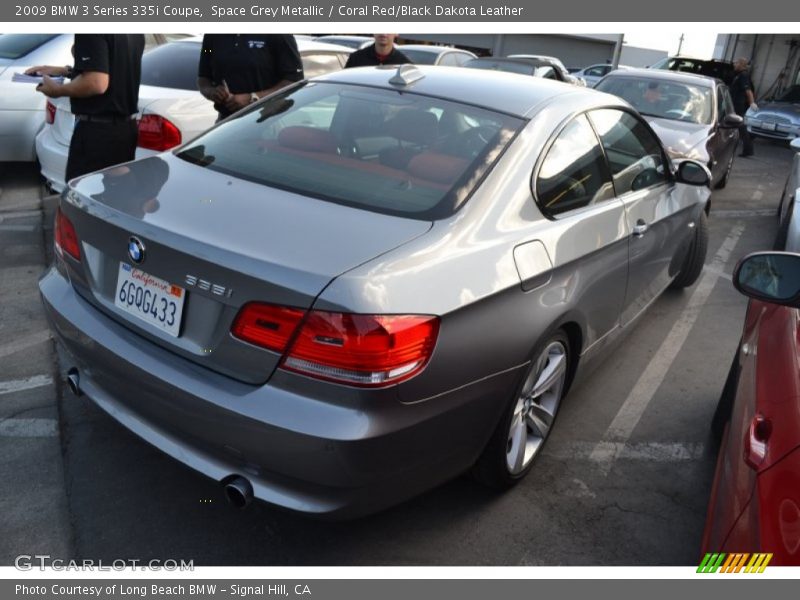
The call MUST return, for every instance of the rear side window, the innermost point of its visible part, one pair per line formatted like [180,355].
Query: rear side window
[386,151]
[17,45]
[634,154]
[172,66]
[574,173]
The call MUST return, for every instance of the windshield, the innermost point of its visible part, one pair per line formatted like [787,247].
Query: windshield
[420,57]
[662,99]
[380,150]
[17,45]
[508,66]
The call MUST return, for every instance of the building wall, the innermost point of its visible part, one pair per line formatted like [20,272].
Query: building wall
[774,58]
[574,51]
[634,56]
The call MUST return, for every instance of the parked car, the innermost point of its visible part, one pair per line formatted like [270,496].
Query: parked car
[21,106]
[755,497]
[719,69]
[354,42]
[788,237]
[693,115]
[420,54]
[172,110]
[522,66]
[368,283]
[778,118]
[567,76]
[594,73]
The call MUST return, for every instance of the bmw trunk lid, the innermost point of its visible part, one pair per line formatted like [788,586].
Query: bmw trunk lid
[223,241]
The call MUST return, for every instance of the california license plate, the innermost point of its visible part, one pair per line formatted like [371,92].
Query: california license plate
[150,299]
[769,126]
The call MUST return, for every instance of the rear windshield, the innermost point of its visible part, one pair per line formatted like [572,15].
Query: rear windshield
[17,45]
[172,66]
[381,150]
[501,65]
[420,57]
[662,99]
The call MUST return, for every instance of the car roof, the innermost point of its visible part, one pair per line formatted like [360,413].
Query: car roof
[303,44]
[431,49]
[665,75]
[508,93]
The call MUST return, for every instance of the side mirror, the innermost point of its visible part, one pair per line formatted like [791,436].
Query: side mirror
[692,172]
[770,276]
[795,144]
[732,121]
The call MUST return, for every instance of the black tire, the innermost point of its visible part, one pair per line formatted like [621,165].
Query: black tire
[724,181]
[695,257]
[783,231]
[722,413]
[493,468]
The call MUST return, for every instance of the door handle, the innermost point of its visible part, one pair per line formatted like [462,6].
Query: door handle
[640,228]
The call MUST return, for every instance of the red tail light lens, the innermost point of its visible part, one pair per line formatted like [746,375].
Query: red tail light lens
[50,113]
[363,350]
[66,240]
[360,350]
[157,133]
[267,325]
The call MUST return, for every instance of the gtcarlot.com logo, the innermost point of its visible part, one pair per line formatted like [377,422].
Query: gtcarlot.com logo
[734,563]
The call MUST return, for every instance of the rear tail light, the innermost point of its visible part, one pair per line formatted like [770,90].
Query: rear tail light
[267,325]
[360,350]
[66,240]
[158,133]
[50,113]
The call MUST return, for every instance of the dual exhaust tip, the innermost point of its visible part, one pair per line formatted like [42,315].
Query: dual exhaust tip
[238,490]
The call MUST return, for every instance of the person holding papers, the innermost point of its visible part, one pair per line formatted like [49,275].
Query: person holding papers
[104,96]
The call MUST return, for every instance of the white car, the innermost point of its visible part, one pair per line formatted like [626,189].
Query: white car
[421,54]
[21,105]
[172,111]
[568,77]
[594,73]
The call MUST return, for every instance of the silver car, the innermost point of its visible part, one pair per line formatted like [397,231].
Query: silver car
[788,237]
[779,118]
[369,283]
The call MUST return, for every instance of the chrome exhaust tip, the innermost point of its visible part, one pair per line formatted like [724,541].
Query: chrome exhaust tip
[74,381]
[239,492]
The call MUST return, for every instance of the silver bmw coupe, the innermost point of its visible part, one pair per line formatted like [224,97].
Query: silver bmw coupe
[372,282]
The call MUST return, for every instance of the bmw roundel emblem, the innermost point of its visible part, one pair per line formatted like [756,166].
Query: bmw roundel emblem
[136,250]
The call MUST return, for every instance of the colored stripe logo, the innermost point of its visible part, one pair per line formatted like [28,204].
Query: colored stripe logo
[734,563]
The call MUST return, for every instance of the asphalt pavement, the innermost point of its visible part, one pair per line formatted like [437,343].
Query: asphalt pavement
[624,479]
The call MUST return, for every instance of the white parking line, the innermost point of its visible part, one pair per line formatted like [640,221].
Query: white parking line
[21,214]
[19,385]
[645,388]
[24,343]
[18,227]
[743,214]
[29,428]
[644,451]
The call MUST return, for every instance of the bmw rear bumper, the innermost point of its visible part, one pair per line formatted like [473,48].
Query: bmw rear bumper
[357,455]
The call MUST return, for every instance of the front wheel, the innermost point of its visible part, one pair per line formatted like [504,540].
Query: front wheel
[527,422]
[695,258]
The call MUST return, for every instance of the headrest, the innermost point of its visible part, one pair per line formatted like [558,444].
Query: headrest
[308,139]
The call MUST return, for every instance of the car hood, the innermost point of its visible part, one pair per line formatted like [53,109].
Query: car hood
[784,109]
[275,228]
[681,139]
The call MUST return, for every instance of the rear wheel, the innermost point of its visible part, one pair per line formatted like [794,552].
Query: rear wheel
[695,258]
[527,422]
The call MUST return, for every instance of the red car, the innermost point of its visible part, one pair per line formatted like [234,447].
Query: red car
[755,498]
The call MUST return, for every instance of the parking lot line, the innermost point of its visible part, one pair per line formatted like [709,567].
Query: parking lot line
[635,405]
[643,451]
[18,227]
[22,214]
[29,428]
[18,385]
[24,343]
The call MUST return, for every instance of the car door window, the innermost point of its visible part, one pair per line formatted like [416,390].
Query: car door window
[574,173]
[596,71]
[725,102]
[634,153]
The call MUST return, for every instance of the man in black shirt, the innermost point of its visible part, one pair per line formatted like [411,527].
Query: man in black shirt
[104,93]
[382,52]
[237,69]
[743,98]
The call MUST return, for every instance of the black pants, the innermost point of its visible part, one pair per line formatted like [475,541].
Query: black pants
[96,145]
[747,139]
